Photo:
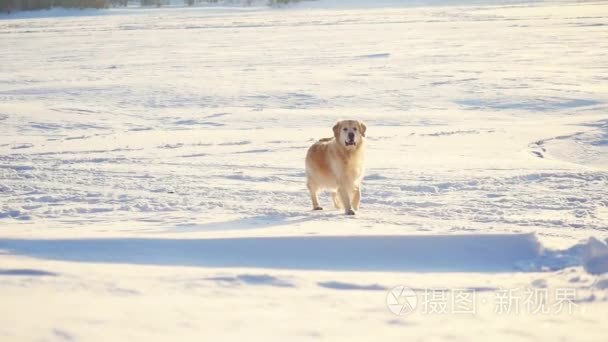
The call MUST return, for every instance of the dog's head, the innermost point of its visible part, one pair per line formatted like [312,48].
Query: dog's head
[349,133]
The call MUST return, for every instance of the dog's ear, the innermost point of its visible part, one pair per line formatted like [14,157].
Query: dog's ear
[362,128]
[336,129]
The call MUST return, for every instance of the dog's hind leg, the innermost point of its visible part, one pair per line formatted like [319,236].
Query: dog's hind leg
[336,200]
[313,189]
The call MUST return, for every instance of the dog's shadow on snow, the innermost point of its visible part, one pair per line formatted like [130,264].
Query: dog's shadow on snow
[433,253]
[245,223]
[28,272]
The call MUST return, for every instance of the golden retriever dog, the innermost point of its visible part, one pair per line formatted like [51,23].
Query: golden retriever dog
[336,164]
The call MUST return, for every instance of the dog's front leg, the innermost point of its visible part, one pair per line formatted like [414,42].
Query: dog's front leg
[345,193]
[357,197]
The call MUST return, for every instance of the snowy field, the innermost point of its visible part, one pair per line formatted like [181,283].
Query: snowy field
[152,183]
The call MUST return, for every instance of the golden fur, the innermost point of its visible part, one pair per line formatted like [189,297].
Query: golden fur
[336,164]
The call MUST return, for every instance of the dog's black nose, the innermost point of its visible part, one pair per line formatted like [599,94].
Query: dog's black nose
[351,136]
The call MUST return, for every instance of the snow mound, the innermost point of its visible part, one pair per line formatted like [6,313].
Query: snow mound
[595,256]
[592,255]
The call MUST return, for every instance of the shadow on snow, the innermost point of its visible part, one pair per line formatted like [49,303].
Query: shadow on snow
[437,253]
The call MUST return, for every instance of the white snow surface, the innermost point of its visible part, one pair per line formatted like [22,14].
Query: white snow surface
[152,183]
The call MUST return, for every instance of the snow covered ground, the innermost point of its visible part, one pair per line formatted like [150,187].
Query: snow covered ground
[152,184]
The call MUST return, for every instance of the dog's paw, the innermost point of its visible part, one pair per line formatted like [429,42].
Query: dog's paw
[317,208]
[349,212]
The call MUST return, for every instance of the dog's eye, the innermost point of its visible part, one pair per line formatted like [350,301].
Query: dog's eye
[354,129]
[345,129]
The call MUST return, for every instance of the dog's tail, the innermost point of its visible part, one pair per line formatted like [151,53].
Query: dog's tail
[325,139]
